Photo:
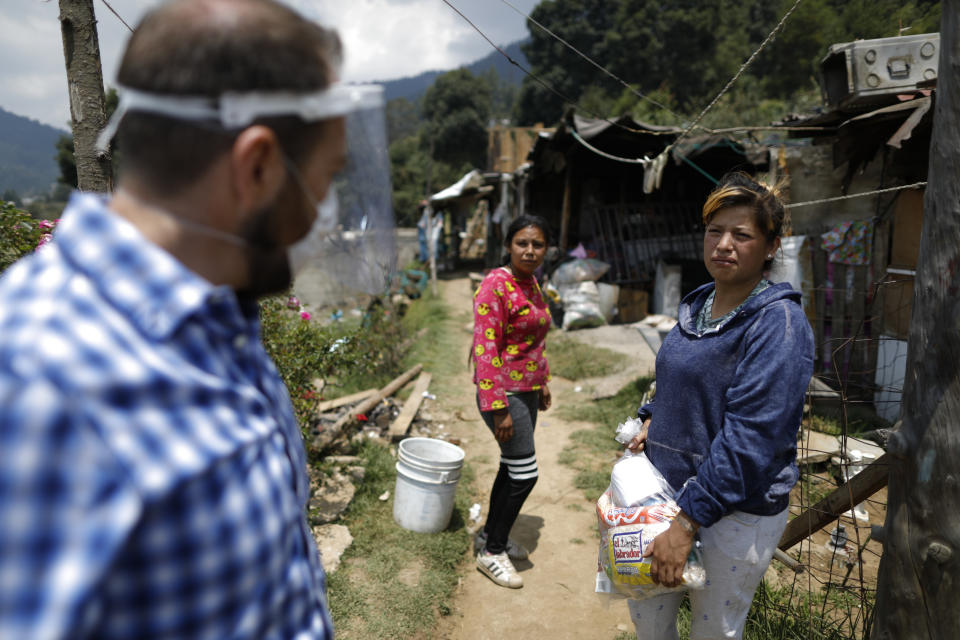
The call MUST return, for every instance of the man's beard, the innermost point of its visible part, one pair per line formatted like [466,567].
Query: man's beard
[268,266]
[269,273]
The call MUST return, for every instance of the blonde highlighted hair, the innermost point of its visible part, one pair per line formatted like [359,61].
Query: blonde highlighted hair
[737,189]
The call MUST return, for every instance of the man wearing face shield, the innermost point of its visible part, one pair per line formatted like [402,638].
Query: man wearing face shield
[152,474]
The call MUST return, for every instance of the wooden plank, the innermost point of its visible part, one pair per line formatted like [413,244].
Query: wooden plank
[816,447]
[858,360]
[353,398]
[839,334]
[861,486]
[327,436]
[410,407]
[566,207]
[881,239]
[819,259]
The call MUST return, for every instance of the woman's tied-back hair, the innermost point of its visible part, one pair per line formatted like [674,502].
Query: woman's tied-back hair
[737,189]
[522,222]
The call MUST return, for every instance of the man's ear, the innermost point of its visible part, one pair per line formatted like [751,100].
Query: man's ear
[257,167]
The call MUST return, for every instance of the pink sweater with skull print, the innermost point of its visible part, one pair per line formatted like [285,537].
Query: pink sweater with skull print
[510,325]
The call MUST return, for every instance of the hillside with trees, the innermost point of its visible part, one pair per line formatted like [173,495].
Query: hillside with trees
[27,164]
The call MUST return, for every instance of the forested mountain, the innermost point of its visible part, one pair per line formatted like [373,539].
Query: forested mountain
[413,87]
[27,150]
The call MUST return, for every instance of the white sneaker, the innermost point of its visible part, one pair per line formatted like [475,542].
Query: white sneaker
[499,569]
[515,550]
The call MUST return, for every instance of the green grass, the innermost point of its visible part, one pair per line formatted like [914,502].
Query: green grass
[437,347]
[774,615]
[571,359]
[829,420]
[609,412]
[394,583]
[592,452]
[388,573]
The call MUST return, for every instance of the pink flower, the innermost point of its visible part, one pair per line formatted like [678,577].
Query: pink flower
[293,302]
[44,239]
[305,315]
[46,225]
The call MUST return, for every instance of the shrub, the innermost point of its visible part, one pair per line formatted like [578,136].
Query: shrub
[20,233]
[356,355]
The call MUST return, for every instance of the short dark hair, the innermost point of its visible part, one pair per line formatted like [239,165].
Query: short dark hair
[206,48]
[524,221]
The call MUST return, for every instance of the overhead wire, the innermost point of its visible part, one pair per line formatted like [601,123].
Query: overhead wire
[114,12]
[740,71]
[546,85]
[915,185]
[582,109]
[635,92]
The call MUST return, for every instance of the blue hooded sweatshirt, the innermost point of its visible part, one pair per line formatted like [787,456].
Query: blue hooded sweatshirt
[729,403]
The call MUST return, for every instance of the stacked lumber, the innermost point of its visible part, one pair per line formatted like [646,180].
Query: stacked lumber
[370,413]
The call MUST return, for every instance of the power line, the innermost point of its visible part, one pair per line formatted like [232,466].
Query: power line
[522,68]
[114,12]
[743,68]
[578,107]
[915,185]
[595,64]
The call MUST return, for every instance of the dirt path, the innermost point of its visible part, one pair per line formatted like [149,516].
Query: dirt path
[557,523]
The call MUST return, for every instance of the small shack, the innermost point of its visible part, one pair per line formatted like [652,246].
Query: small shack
[860,253]
[605,185]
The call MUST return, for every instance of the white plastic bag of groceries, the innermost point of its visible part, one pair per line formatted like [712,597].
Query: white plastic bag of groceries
[634,480]
[636,508]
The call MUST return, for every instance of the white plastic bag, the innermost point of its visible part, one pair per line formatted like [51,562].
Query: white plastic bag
[581,306]
[581,270]
[636,508]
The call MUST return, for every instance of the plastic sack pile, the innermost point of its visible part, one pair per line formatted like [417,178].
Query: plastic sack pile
[575,281]
[636,508]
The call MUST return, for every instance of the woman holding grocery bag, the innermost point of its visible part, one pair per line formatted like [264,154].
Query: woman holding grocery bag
[511,321]
[722,428]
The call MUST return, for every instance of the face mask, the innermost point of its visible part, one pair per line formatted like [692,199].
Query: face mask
[310,247]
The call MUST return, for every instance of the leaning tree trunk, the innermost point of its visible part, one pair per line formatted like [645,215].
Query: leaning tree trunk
[919,580]
[81,52]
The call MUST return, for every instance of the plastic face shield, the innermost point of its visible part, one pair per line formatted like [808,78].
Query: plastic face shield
[351,247]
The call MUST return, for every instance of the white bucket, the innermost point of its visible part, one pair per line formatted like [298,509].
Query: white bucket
[427,474]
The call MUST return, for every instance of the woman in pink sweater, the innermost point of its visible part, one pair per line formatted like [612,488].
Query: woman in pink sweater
[511,321]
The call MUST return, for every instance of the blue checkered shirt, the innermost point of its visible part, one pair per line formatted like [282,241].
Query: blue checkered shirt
[152,474]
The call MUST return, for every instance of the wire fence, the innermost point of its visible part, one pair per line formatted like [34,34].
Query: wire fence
[860,315]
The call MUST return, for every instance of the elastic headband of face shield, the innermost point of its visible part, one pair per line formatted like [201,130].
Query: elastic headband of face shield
[351,246]
[234,110]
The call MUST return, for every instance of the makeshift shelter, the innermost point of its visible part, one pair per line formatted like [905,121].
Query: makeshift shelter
[608,186]
[464,209]
[860,253]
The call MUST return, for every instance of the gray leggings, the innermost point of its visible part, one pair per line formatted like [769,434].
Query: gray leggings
[518,469]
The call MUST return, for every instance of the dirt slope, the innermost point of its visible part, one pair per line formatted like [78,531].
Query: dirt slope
[557,523]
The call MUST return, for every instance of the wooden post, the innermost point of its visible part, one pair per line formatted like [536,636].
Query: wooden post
[81,52]
[328,435]
[565,212]
[410,407]
[843,498]
[919,572]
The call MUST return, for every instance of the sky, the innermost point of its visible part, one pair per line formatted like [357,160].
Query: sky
[384,39]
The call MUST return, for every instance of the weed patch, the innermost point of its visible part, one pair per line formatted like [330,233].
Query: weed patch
[388,573]
[571,359]
[609,412]
[592,452]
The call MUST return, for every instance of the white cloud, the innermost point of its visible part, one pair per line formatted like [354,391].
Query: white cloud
[383,39]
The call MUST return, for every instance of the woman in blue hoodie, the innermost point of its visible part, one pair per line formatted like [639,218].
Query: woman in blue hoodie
[731,379]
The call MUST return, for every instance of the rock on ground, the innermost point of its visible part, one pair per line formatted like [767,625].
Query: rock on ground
[332,541]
